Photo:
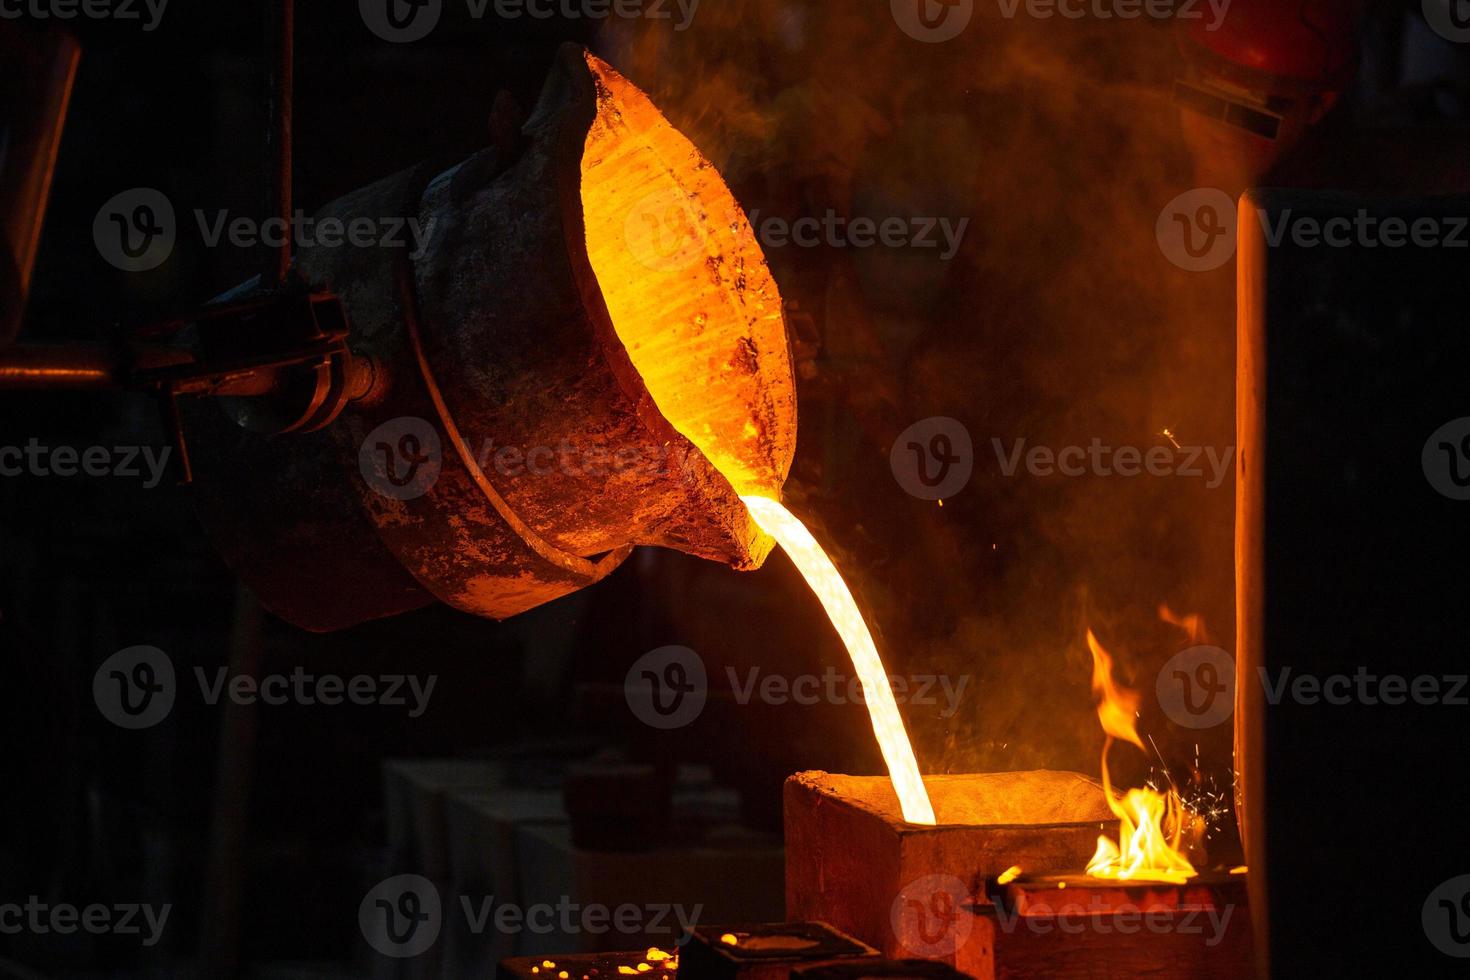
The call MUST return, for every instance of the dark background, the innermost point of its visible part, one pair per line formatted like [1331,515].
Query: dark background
[1059,322]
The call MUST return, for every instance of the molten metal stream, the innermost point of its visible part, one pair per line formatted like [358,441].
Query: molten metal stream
[826,582]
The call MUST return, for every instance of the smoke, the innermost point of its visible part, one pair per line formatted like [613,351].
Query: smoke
[1061,322]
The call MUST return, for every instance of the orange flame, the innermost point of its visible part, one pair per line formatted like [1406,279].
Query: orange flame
[1193,624]
[826,582]
[1147,852]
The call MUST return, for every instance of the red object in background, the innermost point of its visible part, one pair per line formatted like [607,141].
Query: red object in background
[1308,41]
[1260,75]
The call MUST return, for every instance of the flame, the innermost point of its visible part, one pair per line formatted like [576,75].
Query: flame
[1147,852]
[1192,624]
[1116,707]
[812,561]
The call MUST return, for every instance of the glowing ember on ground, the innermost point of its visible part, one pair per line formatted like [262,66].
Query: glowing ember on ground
[1147,852]
[666,961]
[1008,875]
[826,582]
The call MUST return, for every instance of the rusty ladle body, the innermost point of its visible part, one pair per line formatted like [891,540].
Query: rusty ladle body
[653,393]
[498,336]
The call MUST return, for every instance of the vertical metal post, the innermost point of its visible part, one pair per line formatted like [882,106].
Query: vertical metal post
[221,941]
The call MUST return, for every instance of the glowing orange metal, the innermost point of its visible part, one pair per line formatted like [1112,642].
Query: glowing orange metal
[826,582]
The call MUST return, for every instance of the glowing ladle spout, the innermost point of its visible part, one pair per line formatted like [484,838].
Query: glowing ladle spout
[812,561]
